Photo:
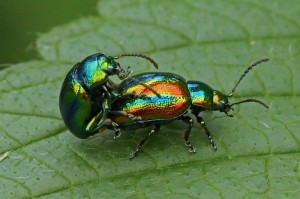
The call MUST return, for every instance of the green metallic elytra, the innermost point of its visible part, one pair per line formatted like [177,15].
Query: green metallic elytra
[172,99]
[87,92]
[79,94]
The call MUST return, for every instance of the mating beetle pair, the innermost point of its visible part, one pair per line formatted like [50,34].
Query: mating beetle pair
[148,99]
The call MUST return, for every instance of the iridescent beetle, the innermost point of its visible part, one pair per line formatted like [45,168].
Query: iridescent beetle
[87,93]
[172,98]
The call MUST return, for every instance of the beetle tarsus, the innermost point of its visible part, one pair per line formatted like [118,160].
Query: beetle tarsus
[117,134]
[125,114]
[229,115]
[117,130]
[134,117]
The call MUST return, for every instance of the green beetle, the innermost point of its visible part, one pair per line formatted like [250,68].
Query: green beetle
[87,92]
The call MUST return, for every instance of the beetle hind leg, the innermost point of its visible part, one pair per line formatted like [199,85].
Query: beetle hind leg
[142,142]
[188,120]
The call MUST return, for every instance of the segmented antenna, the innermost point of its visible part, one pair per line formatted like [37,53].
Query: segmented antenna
[136,80]
[246,71]
[139,55]
[250,100]
[146,86]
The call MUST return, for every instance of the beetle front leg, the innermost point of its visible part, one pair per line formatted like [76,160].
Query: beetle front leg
[117,130]
[142,142]
[212,143]
[108,123]
[188,120]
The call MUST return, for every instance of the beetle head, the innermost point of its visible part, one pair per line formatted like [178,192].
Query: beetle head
[108,65]
[221,101]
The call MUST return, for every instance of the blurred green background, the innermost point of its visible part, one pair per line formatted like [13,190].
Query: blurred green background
[22,21]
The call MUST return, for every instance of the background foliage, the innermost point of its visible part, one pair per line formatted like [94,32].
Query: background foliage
[211,41]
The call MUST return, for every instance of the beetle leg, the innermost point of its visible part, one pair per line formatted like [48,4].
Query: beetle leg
[96,122]
[117,130]
[133,117]
[124,113]
[133,96]
[112,85]
[142,142]
[107,122]
[212,143]
[188,120]
[107,93]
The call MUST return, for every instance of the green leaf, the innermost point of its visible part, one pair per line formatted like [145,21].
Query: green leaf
[211,41]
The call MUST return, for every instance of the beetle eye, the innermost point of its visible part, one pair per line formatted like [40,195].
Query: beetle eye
[224,107]
[221,107]
[112,68]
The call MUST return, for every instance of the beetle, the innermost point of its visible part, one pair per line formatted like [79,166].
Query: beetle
[87,92]
[176,97]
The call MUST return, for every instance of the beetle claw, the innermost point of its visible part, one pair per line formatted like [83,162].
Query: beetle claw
[190,146]
[192,150]
[132,155]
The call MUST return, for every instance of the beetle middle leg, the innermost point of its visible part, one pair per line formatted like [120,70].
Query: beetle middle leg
[142,142]
[188,120]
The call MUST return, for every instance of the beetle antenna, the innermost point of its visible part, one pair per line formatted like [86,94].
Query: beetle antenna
[146,86]
[246,71]
[139,55]
[250,100]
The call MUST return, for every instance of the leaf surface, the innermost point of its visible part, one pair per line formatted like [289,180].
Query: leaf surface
[211,41]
